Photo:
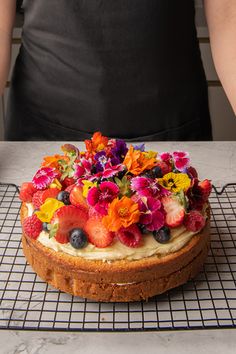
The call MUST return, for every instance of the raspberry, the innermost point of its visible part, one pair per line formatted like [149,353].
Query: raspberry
[130,236]
[37,199]
[27,191]
[194,221]
[32,226]
[40,196]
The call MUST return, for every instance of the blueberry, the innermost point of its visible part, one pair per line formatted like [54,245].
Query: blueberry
[143,229]
[162,235]
[78,238]
[64,197]
[45,226]
[148,175]
[157,172]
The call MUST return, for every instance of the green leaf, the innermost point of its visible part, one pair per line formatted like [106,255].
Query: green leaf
[53,230]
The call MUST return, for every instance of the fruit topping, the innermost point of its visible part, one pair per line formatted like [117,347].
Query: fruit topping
[162,235]
[78,238]
[130,236]
[40,196]
[27,191]
[97,233]
[32,226]
[66,219]
[175,212]
[77,198]
[194,221]
[64,197]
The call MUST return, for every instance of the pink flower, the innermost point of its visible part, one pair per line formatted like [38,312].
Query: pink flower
[181,160]
[166,157]
[147,187]
[152,214]
[83,169]
[100,197]
[110,171]
[44,177]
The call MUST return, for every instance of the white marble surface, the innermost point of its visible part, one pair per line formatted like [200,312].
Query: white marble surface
[214,160]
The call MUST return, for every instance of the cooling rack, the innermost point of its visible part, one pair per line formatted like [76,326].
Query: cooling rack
[208,301]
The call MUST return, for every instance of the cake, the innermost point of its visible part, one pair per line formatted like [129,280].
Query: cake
[115,222]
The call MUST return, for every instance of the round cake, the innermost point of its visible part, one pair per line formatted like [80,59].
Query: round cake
[115,222]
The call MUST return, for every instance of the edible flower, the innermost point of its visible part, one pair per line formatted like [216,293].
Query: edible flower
[100,197]
[44,177]
[136,161]
[97,143]
[121,213]
[145,187]
[175,182]
[181,160]
[87,186]
[54,161]
[48,208]
[152,213]
[119,151]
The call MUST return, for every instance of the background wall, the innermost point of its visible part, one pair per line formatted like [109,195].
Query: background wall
[223,118]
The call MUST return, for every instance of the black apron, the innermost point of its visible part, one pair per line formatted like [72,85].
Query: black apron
[129,68]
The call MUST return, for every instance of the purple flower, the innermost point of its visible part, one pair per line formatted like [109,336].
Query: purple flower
[119,151]
[152,214]
[140,147]
[101,159]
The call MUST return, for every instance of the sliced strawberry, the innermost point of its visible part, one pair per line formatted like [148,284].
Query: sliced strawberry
[69,188]
[206,188]
[32,226]
[98,235]
[37,199]
[27,191]
[175,212]
[68,217]
[77,198]
[94,214]
[50,193]
[130,236]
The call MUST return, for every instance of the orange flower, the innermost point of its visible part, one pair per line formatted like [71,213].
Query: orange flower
[52,161]
[137,161]
[121,212]
[97,143]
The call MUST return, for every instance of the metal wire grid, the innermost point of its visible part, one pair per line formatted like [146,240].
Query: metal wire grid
[209,301]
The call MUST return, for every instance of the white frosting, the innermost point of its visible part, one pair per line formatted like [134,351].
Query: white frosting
[179,237]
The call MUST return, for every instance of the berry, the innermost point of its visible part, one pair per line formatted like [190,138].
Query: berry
[94,214]
[162,235]
[68,181]
[157,172]
[32,226]
[205,187]
[130,236]
[194,221]
[69,188]
[97,233]
[68,217]
[40,196]
[64,197]
[45,226]
[78,238]
[37,199]
[143,229]
[27,191]
[174,211]
[77,198]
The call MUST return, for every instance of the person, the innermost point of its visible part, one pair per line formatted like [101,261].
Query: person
[129,68]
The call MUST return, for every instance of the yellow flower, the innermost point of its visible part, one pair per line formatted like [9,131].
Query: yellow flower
[150,154]
[175,182]
[48,209]
[56,184]
[87,186]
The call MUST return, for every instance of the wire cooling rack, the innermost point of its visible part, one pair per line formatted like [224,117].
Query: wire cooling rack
[208,301]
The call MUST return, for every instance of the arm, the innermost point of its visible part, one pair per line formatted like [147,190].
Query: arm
[7,16]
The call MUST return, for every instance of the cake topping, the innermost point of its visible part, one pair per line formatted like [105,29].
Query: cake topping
[114,193]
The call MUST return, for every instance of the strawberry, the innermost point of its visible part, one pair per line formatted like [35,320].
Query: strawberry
[77,198]
[40,196]
[205,187]
[32,226]
[97,233]
[175,212]
[37,199]
[94,214]
[69,188]
[130,236]
[194,221]
[68,181]
[67,218]
[27,191]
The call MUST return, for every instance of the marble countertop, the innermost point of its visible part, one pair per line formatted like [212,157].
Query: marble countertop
[213,160]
